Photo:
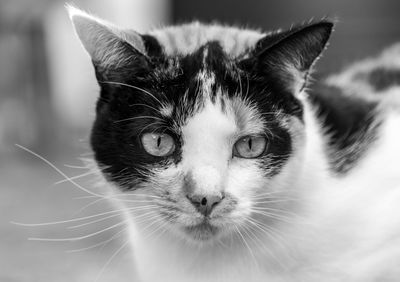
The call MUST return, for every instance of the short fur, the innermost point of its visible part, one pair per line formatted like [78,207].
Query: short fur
[316,205]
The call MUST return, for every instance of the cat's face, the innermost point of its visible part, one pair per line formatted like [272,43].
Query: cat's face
[214,140]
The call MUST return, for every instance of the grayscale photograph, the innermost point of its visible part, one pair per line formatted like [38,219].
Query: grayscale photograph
[199,141]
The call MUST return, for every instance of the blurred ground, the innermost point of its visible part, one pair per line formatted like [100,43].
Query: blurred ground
[47,97]
[29,195]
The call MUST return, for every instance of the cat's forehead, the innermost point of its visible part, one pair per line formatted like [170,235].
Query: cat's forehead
[216,92]
[218,111]
[214,89]
[187,39]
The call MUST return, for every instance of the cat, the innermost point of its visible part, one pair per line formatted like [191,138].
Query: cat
[236,166]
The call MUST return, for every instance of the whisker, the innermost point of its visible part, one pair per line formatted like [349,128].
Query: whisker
[274,209]
[77,238]
[137,216]
[222,244]
[133,87]
[160,226]
[248,87]
[271,196]
[137,201]
[110,260]
[84,197]
[88,154]
[90,204]
[267,194]
[153,222]
[150,107]
[93,221]
[275,235]
[240,82]
[70,220]
[151,124]
[274,216]
[75,177]
[59,171]
[113,197]
[76,166]
[267,201]
[149,216]
[105,218]
[139,117]
[262,245]
[135,194]
[103,243]
[249,234]
[246,244]
[277,211]
[268,229]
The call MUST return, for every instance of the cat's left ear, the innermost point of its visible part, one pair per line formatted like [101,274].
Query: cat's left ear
[287,57]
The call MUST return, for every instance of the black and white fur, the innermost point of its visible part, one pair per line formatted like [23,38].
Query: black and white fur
[320,204]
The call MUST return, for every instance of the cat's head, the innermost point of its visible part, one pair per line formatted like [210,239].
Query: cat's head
[206,120]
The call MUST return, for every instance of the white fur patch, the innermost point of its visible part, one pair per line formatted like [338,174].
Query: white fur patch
[351,84]
[166,110]
[186,39]
[207,140]
[390,98]
[206,80]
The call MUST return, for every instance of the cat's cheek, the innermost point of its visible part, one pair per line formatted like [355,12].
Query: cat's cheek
[167,180]
[244,177]
[168,184]
[244,181]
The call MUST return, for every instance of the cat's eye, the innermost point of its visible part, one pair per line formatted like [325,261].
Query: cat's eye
[158,144]
[249,147]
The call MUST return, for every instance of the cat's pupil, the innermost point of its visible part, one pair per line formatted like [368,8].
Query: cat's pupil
[159,141]
[250,144]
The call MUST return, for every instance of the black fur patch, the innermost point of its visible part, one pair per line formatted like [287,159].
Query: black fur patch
[278,151]
[383,78]
[133,93]
[350,124]
[238,79]
[153,48]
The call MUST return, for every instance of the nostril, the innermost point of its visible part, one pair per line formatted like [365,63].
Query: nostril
[205,204]
[194,200]
[214,204]
[214,200]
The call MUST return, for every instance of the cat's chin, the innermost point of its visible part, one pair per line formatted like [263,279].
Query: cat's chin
[204,232]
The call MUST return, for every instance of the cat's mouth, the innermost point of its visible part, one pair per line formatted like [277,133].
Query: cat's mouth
[203,231]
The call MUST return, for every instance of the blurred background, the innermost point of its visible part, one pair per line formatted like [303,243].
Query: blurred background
[47,97]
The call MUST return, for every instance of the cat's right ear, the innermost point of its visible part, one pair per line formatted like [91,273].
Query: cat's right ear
[109,47]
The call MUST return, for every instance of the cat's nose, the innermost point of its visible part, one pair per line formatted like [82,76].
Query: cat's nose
[205,203]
